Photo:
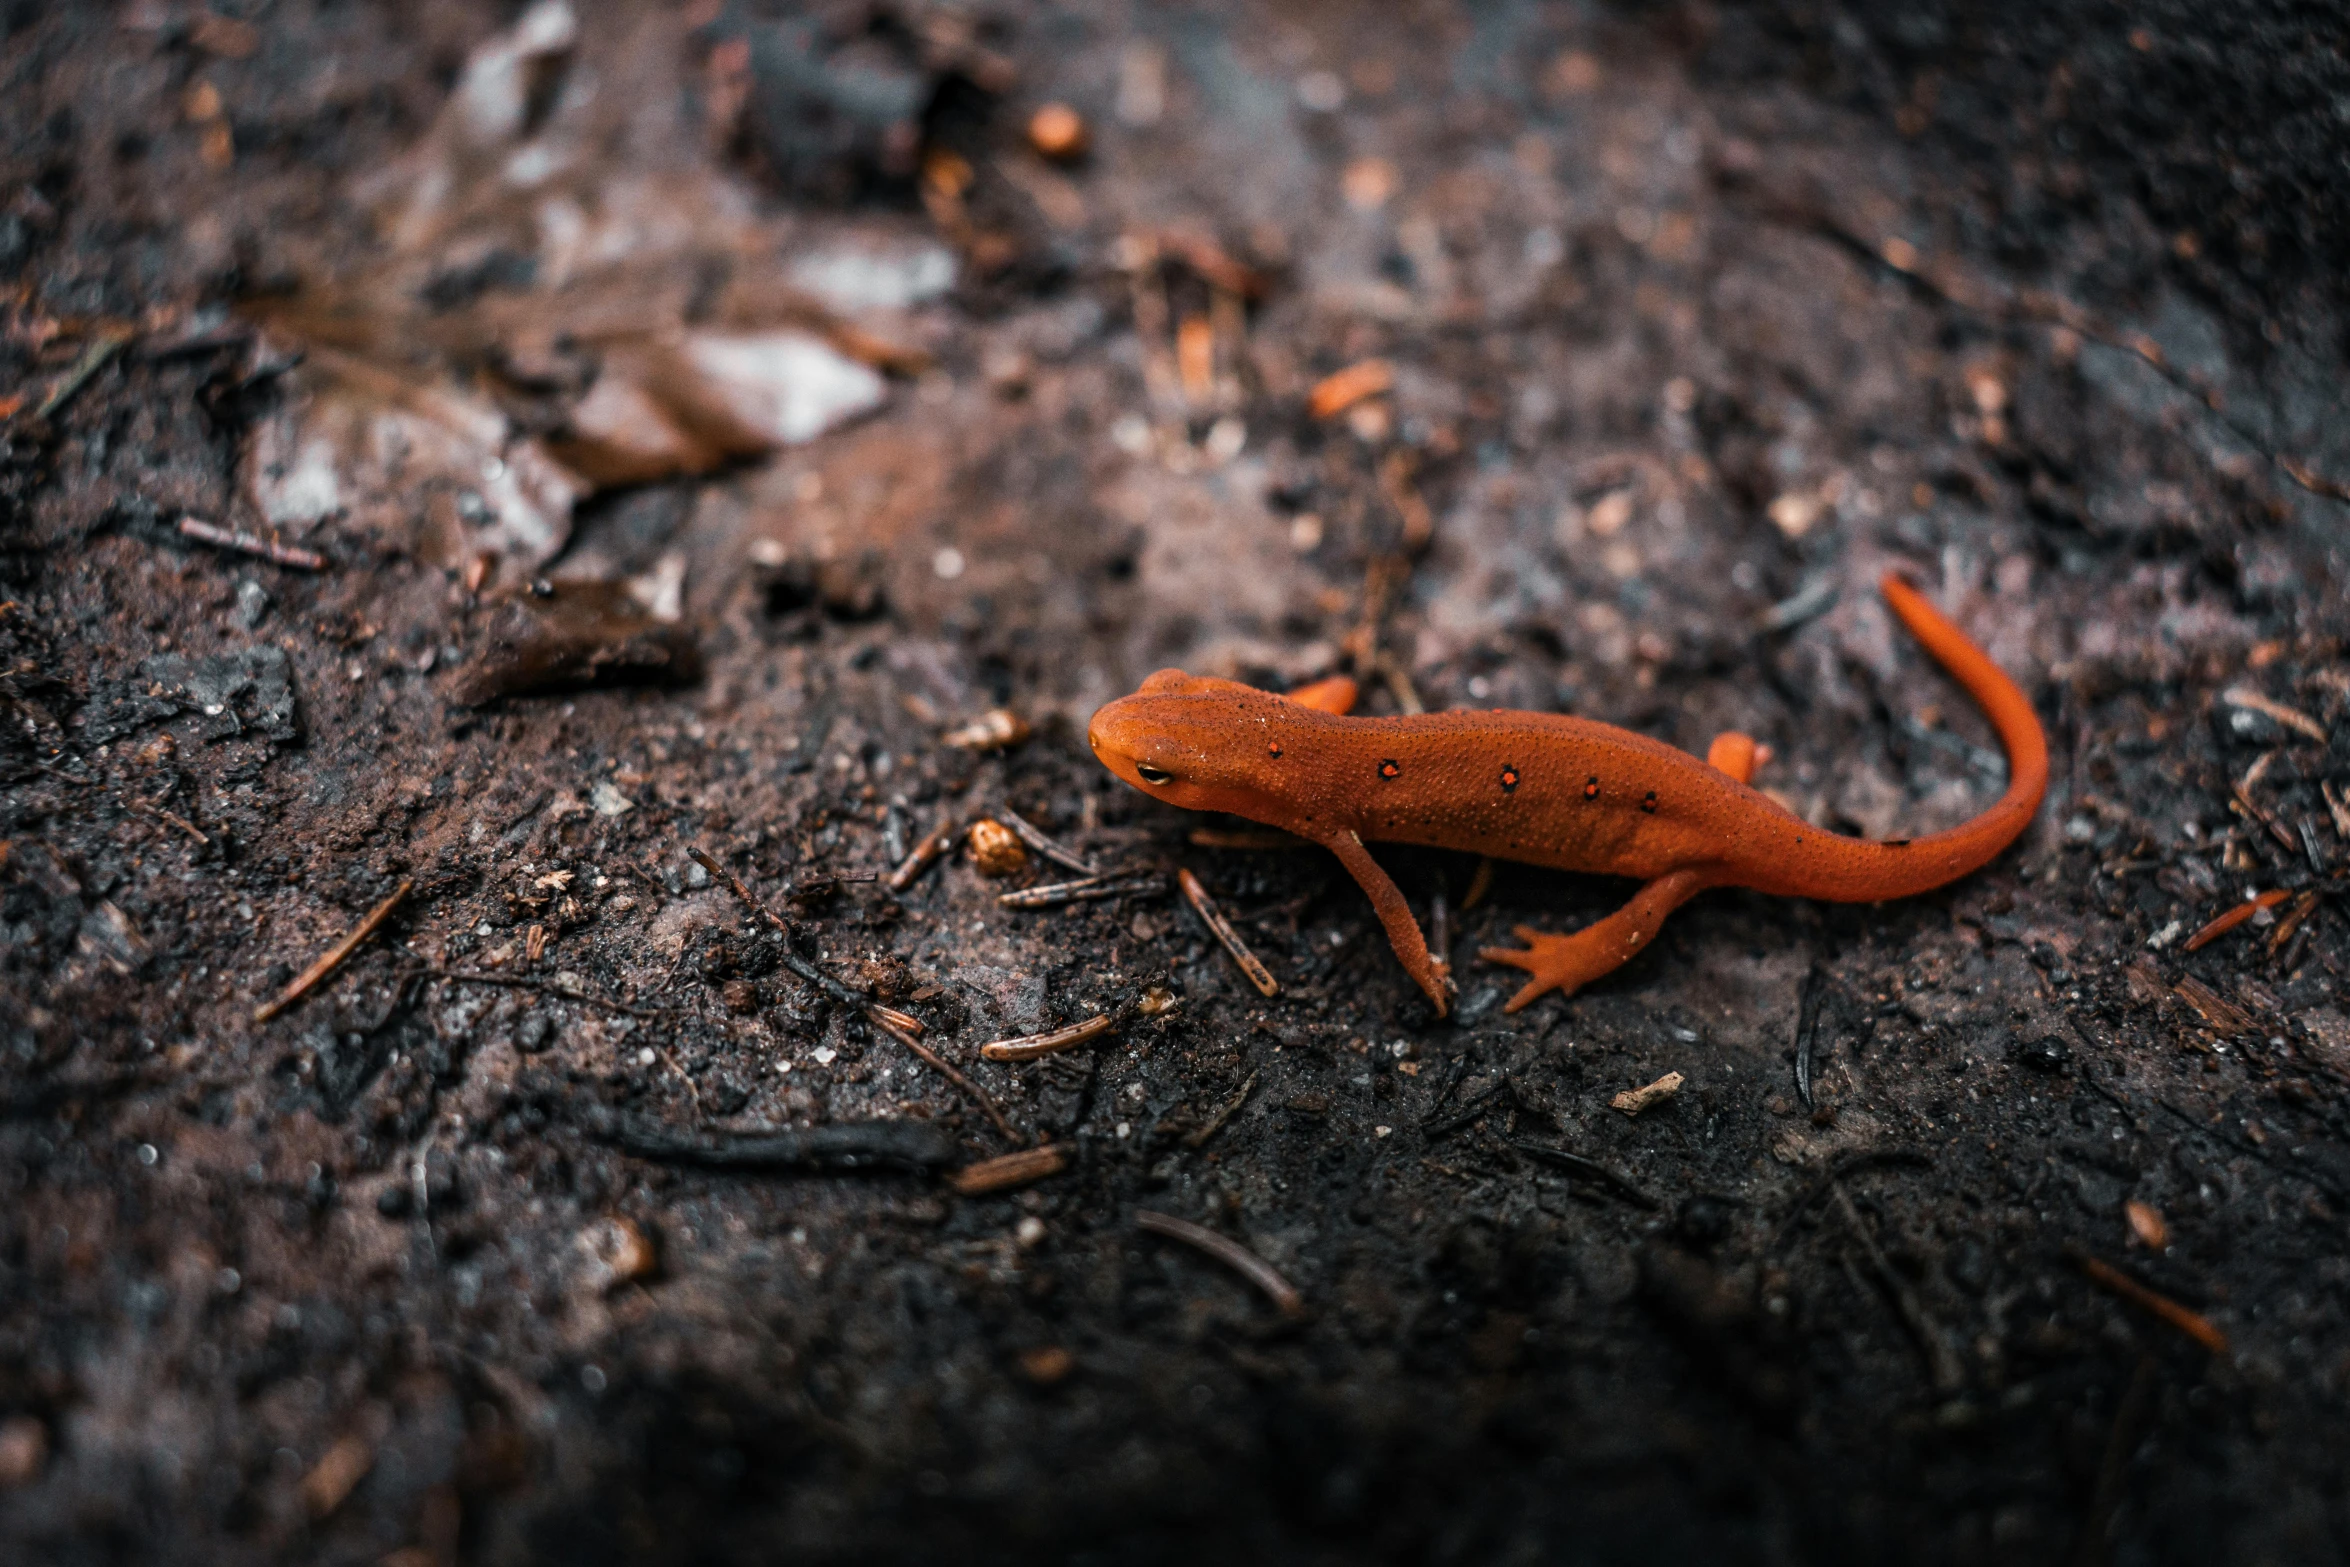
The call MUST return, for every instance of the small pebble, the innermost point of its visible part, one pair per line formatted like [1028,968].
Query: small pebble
[2045,1054]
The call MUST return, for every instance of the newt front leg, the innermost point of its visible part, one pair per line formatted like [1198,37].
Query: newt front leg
[1403,932]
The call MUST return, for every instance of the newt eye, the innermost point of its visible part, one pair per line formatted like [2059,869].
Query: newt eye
[1153,775]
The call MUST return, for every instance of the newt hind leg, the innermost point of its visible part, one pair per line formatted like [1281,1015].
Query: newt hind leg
[1568,963]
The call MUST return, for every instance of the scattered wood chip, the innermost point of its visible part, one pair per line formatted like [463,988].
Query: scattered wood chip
[1634,1100]
[2147,1224]
[2235,917]
[2290,717]
[2192,1323]
[1002,1174]
[1057,132]
[995,730]
[333,959]
[1027,1047]
[2221,1013]
[1213,918]
[1335,393]
[1046,1364]
[336,1474]
[1229,1252]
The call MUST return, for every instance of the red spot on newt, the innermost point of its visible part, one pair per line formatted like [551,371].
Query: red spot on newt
[1185,739]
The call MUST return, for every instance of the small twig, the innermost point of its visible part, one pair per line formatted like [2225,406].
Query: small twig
[1214,919]
[1224,1113]
[2337,806]
[1807,1025]
[144,808]
[1850,1164]
[1435,1127]
[2253,811]
[2291,717]
[1093,889]
[542,986]
[1395,482]
[1028,1047]
[333,957]
[1036,838]
[845,1147]
[1399,685]
[939,1063]
[844,994]
[926,854]
[2094,1547]
[1942,1363]
[1003,1173]
[2235,917]
[1589,1169]
[1229,1252]
[251,544]
[2192,1323]
[2303,907]
[104,347]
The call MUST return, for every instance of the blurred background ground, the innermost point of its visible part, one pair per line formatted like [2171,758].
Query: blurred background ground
[619,431]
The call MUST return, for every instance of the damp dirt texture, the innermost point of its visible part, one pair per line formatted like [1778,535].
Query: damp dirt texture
[627,509]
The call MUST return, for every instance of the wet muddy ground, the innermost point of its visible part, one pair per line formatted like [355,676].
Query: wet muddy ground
[571,1218]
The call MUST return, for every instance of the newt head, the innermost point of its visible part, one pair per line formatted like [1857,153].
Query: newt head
[1203,744]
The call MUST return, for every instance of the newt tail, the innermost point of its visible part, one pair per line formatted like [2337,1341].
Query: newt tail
[1549,790]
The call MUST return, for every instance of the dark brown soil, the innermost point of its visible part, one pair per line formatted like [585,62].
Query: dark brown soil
[1699,322]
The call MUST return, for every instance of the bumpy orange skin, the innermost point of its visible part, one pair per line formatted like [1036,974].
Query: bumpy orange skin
[1548,790]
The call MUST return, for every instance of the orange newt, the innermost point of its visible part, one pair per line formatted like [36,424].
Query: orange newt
[1550,790]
